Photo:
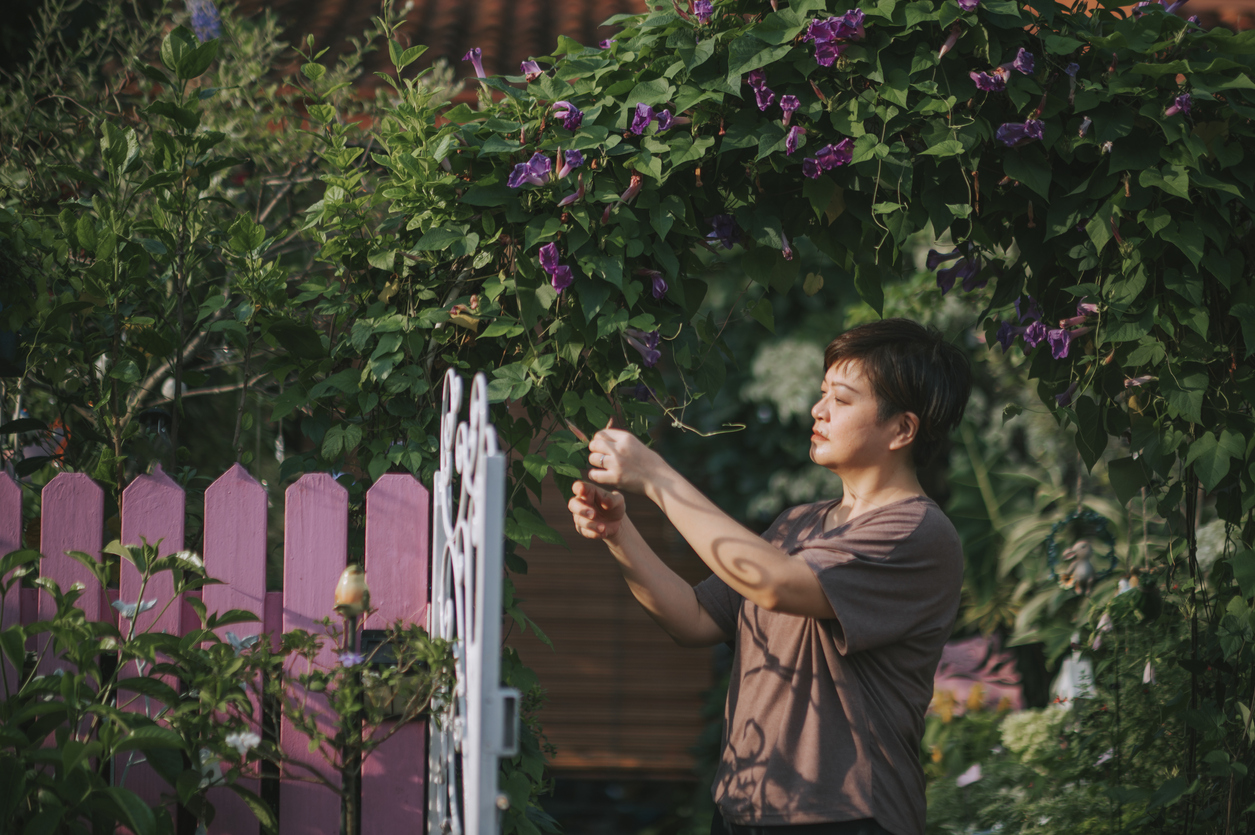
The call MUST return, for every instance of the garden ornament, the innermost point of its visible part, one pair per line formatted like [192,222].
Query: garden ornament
[352,595]
[1080,575]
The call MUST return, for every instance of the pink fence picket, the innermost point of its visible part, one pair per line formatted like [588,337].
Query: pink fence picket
[10,540]
[316,552]
[398,538]
[235,552]
[152,511]
[73,518]
[316,546]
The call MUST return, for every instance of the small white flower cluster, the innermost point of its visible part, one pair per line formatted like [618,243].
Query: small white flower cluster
[1034,733]
[787,375]
[1211,543]
[792,486]
[243,741]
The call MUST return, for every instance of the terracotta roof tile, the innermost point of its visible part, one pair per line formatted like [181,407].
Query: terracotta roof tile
[508,31]
[511,31]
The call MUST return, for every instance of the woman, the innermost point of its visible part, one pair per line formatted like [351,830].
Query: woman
[837,614]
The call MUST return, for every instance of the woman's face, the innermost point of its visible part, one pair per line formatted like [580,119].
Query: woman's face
[847,434]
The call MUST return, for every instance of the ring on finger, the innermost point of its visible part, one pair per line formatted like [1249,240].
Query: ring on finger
[602,463]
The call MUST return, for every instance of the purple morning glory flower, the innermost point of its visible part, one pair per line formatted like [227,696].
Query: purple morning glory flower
[1024,62]
[665,120]
[1086,309]
[642,392]
[646,344]
[830,32]
[790,140]
[851,27]
[549,257]
[569,161]
[206,22]
[535,171]
[785,249]
[702,10]
[936,259]
[351,659]
[573,196]
[561,278]
[1181,104]
[1072,69]
[765,97]
[831,156]
[756,78]
[572,117]
[1012,134]
[789,104]
[968,5]
[994,82]
[1027,310]
[820,30]
[1084,128]
[530,70]
[846,27]
[1169,8]
[658,284]
[1035,333]
[640,121]
[972,280]
[950,41]
[725,230]
[476,59]
[1064,398]
[1007,333]
[811,168]
[964,268]
[1059,340]
[828,52]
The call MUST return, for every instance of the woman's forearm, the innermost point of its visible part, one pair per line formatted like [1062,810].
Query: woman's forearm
[753,567]
[664,595]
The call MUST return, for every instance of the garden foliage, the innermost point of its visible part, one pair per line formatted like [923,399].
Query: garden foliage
[1090,171]
[94,700]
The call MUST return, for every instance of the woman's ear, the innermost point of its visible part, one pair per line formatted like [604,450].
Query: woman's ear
[907,427]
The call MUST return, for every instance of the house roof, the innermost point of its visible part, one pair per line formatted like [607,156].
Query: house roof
[508,31]
[511,31]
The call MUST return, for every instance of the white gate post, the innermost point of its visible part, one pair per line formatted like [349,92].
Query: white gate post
[479,725]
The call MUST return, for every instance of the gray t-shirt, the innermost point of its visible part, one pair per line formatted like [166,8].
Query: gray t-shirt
[824,717]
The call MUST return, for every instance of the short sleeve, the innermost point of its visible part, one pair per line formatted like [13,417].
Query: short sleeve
[721,602]
[888,579]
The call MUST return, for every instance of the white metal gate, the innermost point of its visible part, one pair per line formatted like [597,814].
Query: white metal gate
[479,725]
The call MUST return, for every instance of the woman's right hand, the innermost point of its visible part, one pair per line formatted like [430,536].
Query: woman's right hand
[598,513]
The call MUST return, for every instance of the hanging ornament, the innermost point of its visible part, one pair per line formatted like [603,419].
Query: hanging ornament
[1075,568]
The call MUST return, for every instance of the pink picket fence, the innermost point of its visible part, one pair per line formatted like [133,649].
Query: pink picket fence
[234,550]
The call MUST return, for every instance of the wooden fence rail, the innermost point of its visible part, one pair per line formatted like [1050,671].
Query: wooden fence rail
[234,550]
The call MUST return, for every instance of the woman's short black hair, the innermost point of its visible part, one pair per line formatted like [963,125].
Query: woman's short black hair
[911,368]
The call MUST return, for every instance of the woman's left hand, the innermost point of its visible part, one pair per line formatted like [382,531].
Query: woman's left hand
[619,460]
